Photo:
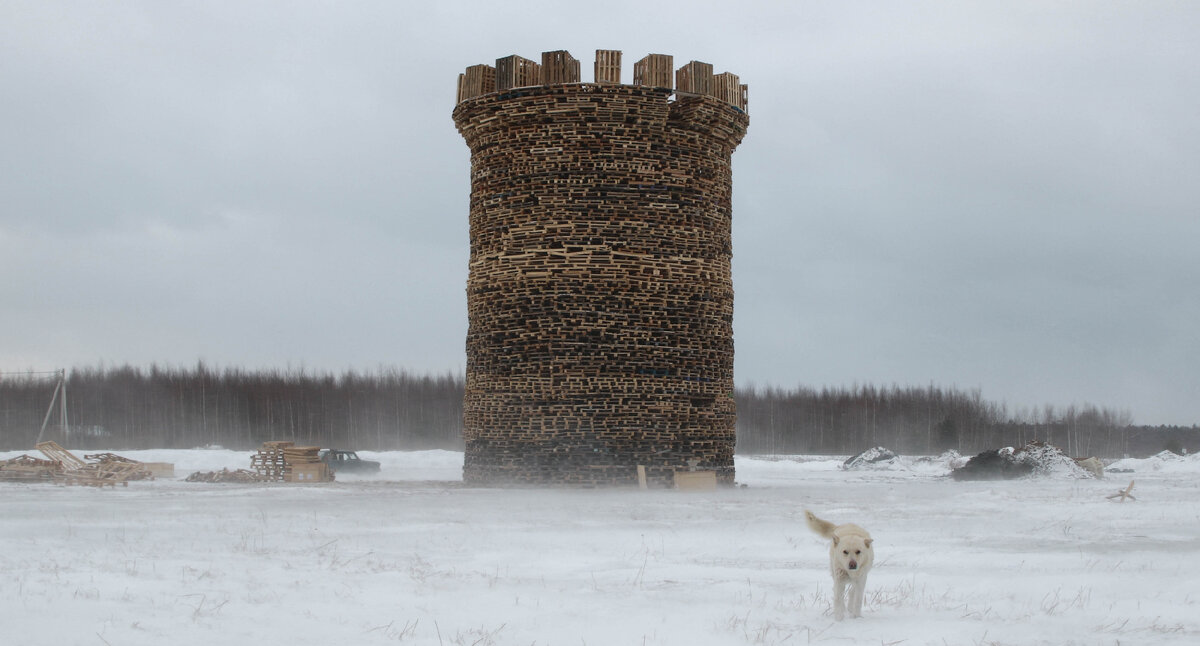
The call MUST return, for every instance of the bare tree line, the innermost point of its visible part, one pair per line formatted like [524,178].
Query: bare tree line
[390,409]
[930,420]
[161,407]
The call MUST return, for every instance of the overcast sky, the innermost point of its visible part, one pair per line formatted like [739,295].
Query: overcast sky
[1003,196]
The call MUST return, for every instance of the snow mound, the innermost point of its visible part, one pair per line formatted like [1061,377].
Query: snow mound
[938,464]
[876,458]
[1166,462]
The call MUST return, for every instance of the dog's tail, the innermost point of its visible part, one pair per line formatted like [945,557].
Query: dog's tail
[822,527]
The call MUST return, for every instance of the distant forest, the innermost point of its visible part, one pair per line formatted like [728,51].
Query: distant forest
[131,408]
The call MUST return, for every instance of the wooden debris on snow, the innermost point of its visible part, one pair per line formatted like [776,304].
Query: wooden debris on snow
[1123,495]
[27,468]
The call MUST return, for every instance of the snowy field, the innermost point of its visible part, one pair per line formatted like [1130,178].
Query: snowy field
[413,557]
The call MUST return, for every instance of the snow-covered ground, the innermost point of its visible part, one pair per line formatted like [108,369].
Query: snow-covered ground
[413,557]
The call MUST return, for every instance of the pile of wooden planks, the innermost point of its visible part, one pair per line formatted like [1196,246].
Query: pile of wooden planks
[100,474]
[104,469]
[286,462]
[600,293]
[26,468]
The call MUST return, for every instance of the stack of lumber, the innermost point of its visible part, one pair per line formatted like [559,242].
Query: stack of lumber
[284,461]
[302,454]
[107,469]
[29,468]
[600,292]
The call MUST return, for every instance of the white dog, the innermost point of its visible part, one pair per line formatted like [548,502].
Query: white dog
[850,558]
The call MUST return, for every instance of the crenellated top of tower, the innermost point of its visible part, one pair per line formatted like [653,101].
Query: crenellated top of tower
[559,67]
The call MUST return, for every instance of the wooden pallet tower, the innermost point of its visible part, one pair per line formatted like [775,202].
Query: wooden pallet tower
[600,295]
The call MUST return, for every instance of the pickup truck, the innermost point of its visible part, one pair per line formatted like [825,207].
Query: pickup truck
[347,462]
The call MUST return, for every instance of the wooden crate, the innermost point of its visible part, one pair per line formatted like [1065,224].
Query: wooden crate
[696,480]
[317,472]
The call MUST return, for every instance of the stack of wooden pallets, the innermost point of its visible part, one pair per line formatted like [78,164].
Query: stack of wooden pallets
[286,462]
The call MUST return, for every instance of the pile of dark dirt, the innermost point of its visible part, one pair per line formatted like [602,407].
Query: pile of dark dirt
[1033,459]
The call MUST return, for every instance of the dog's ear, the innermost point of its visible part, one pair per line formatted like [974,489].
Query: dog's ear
[869,541]
[835,540]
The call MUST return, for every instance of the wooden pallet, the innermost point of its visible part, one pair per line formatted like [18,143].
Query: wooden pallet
[53,451]
[558,67]
[607,68]
[655,70]
[695,78]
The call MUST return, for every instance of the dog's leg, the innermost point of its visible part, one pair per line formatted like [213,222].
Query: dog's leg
[856,596]
[839,597]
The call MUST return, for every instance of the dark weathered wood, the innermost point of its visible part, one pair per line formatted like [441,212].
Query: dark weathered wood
[600,296]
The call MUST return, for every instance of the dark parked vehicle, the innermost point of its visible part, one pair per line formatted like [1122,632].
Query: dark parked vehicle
[348,462]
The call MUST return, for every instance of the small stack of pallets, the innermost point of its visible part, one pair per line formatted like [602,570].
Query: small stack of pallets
[285,462]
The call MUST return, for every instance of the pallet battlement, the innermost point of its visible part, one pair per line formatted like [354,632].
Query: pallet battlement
[559,67]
